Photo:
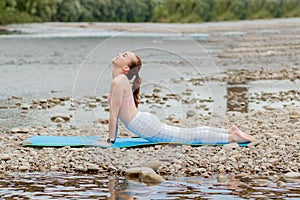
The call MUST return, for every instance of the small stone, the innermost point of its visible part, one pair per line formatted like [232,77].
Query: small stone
[14,130]
[281,184]
[92,167]
[157,90]
[24,168]
[201,170]
[54,168]
[154,164]
[246,179]
[112,168]
[42,168]
[19,130]
[59,120]
[221,169]
[43,101]
[254,144]
[92,105]
[231,146]
[292,175]
[262,182]
[55,100]
[32,153]
[16,97]
[25,106]
[190,113]
[194,181]
[267,107]
[81,168]
[243,185]
[144,174]
[103,121]
[240,175]
[206,175]
[64,117]
[221,178]
[5,157]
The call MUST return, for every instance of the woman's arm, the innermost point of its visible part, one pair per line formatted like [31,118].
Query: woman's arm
[116,95]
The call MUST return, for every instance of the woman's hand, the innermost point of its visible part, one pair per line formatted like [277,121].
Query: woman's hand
[103,142]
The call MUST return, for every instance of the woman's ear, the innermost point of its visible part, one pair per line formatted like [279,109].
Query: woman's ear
[125,68]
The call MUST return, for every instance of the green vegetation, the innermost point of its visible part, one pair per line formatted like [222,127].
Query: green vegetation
[22,11]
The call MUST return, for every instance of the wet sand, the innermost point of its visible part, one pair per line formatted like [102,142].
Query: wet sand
[258,76]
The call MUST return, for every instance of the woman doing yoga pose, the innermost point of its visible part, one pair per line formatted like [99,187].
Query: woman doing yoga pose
[124,100]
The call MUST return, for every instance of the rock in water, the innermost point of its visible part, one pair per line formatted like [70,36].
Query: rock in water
[144,174]
[59,120]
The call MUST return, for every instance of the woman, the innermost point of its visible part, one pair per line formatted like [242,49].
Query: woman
[124,100]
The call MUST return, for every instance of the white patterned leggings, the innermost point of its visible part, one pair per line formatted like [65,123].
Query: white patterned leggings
[149,127]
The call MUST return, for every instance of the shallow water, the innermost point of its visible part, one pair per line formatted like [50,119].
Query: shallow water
[39,68]
[96,186]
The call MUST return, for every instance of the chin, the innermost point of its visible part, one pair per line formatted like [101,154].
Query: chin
[114,59]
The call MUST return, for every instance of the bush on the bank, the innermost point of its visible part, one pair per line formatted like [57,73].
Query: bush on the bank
[145,10]
[9,17]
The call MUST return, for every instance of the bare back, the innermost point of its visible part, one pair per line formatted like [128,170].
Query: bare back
[121,99]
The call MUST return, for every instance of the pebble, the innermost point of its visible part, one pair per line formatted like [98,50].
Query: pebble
[206,175]
[59,120]
[190,113]
[230,146]
[154,164]
[24,168]
[5,157]
[92,167]
[221,178]
[81,168]
[157,90]
[54,168]
[240,175]
[246,179]
[19,130]
[64,117]
[281,184]
[92,105]
[292,175]
[262,182]
[25,106]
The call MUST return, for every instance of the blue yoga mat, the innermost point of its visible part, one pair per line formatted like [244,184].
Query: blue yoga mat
[81,141]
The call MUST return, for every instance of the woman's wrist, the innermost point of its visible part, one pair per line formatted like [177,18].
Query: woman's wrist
[110,141]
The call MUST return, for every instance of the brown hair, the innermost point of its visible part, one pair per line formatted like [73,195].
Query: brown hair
[135,67]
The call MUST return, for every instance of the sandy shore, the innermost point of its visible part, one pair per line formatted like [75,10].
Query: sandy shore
[261,56]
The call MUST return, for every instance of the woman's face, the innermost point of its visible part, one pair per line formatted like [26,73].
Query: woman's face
[123,59]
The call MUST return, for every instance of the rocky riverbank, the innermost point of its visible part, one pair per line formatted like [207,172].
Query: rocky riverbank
[276,151]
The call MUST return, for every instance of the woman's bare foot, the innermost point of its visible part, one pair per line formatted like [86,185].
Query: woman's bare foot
[236,135]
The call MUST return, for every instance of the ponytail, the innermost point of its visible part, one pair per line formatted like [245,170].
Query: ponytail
[136,89]
[133,73]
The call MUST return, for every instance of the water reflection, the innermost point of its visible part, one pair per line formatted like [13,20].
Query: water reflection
[102,186]
[237,99]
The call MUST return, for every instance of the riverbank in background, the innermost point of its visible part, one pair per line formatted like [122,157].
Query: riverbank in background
[183,11]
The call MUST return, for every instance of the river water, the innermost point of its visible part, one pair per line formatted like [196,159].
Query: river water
[59,61]
[95,186]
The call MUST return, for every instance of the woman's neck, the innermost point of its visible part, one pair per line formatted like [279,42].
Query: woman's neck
[117,71]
